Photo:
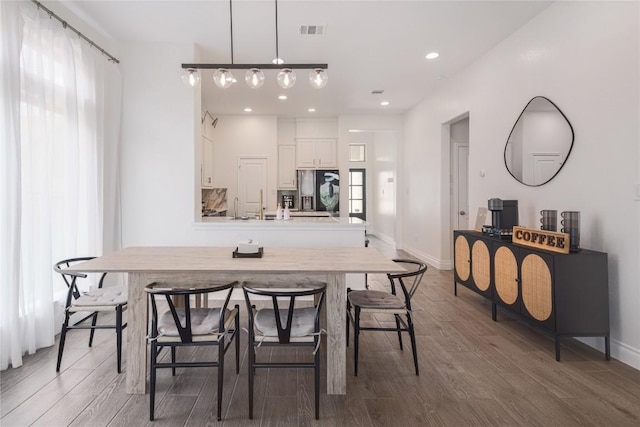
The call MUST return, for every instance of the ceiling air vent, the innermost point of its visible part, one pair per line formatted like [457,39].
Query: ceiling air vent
[377,92]
[312,30]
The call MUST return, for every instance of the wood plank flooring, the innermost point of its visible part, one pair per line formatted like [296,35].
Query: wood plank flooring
[473,372]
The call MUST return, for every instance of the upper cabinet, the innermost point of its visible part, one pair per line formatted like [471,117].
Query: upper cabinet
[316,153]
[286,167]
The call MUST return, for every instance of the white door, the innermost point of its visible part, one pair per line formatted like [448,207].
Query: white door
[460,186]
[545,166]
[252,181]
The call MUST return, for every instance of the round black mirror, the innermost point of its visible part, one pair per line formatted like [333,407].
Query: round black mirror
[539,143]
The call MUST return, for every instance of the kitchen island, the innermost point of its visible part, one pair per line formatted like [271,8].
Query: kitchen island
[298,231]
[309,232]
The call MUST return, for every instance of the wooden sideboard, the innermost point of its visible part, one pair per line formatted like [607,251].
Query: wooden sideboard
[564,294]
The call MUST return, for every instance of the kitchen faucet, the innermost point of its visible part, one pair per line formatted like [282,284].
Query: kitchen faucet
[235,207]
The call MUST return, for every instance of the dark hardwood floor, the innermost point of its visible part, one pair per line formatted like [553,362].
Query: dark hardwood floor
[473,372]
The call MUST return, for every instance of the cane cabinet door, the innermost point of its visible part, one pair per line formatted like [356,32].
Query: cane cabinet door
[481,265]
[536,282]
[505,268]
[473,263]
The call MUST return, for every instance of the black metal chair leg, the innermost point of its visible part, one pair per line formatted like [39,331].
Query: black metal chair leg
[118,337]
[63,335]
[252,372]
[356,339]
[152,381]
[236,337]
[317,381]
[399,331]
[348,316]
[220,375]
[412,335]
[93,324]
[173,360]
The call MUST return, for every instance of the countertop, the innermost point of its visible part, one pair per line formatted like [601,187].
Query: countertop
[291,224]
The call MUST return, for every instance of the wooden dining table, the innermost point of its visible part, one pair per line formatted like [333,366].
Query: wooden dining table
[183,265]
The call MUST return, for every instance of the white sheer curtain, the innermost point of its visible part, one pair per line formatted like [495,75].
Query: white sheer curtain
[60,101]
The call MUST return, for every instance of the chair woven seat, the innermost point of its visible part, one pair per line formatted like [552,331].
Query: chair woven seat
[375,300]
[204,321]
[110,296]
[302,322]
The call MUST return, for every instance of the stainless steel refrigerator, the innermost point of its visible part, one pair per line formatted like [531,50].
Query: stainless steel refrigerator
[319,190]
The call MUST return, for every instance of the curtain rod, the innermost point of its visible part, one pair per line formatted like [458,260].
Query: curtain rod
[82,36]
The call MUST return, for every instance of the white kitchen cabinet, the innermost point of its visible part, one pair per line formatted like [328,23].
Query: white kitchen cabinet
[316,153]
[207,162]
[286,167]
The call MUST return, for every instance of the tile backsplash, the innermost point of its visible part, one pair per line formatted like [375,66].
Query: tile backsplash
[214,199]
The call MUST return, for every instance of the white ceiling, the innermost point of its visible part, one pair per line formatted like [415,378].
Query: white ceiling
[369,45]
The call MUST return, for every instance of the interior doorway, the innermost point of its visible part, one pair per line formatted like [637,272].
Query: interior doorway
[252,180]
[459,146]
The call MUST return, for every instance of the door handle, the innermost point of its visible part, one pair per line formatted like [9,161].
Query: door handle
[463,213]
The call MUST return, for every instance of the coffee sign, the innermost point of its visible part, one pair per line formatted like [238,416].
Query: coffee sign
[541,239]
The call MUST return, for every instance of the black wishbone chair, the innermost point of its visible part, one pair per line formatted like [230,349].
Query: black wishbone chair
[100,300]
[398,306]
[291,326]
[188,326]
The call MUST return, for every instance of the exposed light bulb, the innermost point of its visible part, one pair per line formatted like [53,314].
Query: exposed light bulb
[318,78]
[286,78]
[223,78]
[254,78]
[191,77]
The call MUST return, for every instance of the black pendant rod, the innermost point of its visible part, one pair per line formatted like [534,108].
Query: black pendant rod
[231,27]
[263,66]
[277,55]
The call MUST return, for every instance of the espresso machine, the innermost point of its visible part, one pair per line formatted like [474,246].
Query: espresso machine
[504,216]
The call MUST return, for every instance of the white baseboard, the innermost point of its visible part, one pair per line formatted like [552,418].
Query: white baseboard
[435,262]
[619,350]
[387,239]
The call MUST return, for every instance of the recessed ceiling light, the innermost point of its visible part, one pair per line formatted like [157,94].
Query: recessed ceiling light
[248,110]
[384,103]
[432,55]
[282,97]
[311,110]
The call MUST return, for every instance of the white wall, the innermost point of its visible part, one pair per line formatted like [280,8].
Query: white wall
[584,56]
[245,136]
[160,123]
[391,127]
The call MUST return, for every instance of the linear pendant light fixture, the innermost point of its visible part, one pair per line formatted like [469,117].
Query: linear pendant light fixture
[254,76]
